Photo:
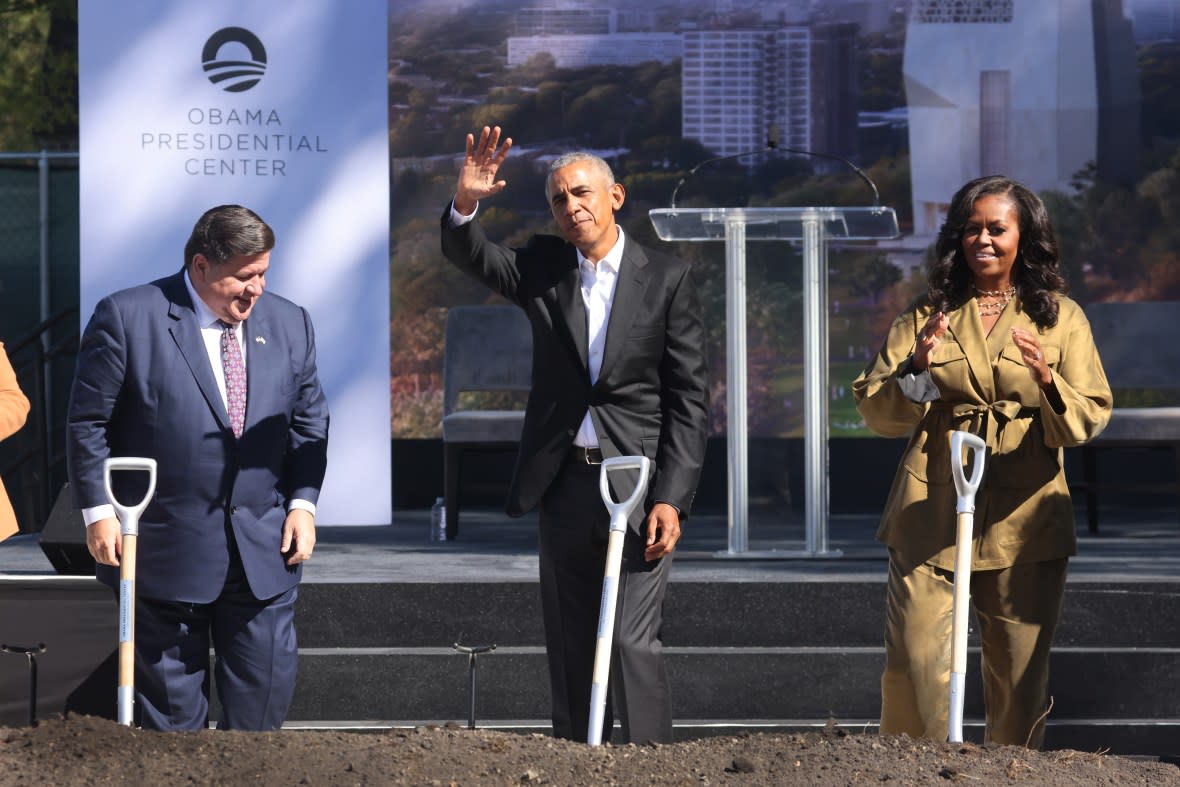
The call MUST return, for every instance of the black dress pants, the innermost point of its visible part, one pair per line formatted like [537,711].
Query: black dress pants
[574,527]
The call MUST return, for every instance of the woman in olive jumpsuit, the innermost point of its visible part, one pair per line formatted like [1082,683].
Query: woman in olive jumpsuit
[997,349]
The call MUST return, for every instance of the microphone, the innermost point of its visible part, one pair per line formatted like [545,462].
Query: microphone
[772,144]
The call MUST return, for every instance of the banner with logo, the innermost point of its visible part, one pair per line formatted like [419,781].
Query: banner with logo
[281,107]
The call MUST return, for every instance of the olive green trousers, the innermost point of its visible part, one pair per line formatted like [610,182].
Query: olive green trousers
[1017,610]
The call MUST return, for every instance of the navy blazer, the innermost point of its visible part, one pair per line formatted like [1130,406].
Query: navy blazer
[651,398]
[144,387]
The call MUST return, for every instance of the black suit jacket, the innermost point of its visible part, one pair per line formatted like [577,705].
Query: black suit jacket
[651,398]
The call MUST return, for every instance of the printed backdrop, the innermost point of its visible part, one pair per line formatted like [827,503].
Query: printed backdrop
[278,107]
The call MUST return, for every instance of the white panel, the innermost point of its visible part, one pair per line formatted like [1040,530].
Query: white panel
[1047,47]
[306,148]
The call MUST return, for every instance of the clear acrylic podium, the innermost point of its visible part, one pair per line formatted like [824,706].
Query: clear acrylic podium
[814,227]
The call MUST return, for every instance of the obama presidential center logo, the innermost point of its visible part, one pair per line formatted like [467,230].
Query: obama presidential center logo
[234,136]
[232,74]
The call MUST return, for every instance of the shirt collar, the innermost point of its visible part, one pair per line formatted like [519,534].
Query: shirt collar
[205,316]
[613,259]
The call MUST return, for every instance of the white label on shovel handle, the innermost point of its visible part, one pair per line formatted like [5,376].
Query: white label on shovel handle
[126,599]
[608,592]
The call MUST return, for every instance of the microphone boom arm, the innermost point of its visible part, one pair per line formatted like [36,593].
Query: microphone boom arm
[714,160]
[771,145]
[847,163]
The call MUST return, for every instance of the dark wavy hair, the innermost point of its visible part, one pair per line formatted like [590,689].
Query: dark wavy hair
[1036,272]
[228,231]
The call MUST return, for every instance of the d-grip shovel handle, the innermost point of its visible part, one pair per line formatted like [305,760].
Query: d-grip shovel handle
[620,511]
[129,528]
[961,593]
[129,515]
[966,487]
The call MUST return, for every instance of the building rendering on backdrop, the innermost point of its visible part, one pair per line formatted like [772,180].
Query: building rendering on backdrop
[564,19]
[1037,89]
[744,70]
[739,83]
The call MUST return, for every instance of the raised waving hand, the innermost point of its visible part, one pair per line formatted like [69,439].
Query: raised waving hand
[477,177]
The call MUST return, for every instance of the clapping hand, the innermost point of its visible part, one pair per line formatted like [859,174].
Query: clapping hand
[928,340]
[1033,356]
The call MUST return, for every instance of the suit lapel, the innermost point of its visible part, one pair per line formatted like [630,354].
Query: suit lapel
[628,294]
[255,331]
[968,331]
[573,309]
[187,335]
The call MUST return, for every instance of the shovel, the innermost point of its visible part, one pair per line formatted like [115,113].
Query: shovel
[610,582]
[129,529]
[965,511]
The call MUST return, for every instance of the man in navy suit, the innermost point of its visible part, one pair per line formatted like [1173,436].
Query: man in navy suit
[241,455]
[618,369]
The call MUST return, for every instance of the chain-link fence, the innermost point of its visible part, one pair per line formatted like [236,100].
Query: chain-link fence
[38,318]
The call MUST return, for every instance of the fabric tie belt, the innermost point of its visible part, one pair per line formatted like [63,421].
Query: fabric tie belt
[584,456]
[985,420]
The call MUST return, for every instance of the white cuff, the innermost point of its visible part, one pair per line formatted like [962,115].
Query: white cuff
[302,505]
[457,218]
[92,515]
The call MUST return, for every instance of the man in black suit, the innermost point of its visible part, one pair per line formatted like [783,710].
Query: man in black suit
[618,370]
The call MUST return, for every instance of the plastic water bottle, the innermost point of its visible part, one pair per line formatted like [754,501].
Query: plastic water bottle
[438,520]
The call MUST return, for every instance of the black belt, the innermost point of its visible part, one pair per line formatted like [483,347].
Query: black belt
[584,456]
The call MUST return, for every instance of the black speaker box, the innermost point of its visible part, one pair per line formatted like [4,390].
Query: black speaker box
[63,539]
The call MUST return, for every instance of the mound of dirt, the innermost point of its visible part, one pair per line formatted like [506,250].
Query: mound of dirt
[84,750]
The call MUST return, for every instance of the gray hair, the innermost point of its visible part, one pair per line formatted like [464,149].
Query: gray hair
[577,156]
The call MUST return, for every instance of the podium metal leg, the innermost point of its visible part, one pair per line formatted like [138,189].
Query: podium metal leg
[815,386]
[812,226]
[735,388]
[815,403]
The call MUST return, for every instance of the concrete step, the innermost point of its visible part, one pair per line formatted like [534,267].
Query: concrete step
[741,654]
[716,614]
[718,683]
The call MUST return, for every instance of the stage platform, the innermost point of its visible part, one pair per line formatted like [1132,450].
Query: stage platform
[1139,545]
[768,643]
[1133,545]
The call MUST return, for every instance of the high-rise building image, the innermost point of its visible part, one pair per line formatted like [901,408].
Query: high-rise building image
[1036,89]
[738,84]
[728,103]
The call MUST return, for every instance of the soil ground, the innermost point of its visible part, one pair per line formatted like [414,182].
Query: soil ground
[85,750]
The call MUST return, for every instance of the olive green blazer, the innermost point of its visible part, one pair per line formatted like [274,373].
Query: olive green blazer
[1023,512]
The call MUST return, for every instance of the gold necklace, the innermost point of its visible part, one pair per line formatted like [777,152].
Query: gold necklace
[991,308]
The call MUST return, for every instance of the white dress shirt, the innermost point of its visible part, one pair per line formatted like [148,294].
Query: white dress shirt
[598,293]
